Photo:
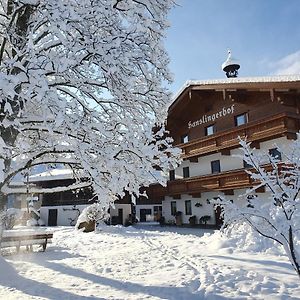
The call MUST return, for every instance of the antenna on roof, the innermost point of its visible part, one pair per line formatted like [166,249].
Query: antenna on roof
[231,66]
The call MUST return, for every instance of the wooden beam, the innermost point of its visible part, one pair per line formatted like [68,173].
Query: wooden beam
[195,195]
[176,196]
[224,94]
[255,145]
[193,159]
[228,192]
[225,152]
[272,95]
[291,136]
[262,189]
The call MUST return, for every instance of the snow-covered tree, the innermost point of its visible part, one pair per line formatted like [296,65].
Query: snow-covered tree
[277,217]
[82,83]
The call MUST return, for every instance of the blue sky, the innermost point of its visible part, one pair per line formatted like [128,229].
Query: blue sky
[263,34]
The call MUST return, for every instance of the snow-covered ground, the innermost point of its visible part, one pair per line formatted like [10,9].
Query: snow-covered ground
[148,263]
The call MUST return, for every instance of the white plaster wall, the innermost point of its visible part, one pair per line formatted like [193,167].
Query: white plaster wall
[206,208]
[203,166]
[62,216]
[227,162]
[282,142]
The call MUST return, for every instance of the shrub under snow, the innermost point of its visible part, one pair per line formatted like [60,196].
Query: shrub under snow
[92,213]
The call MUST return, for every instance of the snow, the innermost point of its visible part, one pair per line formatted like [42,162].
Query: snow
[147,263]
[228,81]
[54,174]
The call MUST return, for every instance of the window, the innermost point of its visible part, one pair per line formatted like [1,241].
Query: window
[209,130]
[241,119]
[186,172]
[188,207]
[157,209]
[173,208]
[172,174]
[275,153]
[184,138]
[246,165]
[215,166]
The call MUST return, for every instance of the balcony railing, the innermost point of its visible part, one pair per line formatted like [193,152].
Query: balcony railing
[284,124]
[221,181]
[234,179]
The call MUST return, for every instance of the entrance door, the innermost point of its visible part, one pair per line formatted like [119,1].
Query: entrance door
[144,213]
[120,215]
[52,217]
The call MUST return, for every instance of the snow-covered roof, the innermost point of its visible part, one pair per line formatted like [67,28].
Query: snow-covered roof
[237,80]
[54,174]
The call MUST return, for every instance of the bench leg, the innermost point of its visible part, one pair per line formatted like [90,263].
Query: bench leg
[18,247]
[45,245]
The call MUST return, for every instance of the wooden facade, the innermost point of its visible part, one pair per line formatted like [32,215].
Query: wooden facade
[203,120]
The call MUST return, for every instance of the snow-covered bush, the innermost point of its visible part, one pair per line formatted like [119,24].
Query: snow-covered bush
[93,213]
[278,217]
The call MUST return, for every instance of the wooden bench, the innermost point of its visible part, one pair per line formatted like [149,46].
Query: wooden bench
[27,240]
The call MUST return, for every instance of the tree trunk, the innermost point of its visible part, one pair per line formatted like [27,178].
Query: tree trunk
[294,258]
[9,134]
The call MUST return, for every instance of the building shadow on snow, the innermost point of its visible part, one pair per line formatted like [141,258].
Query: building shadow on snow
[12,280]
[170,293]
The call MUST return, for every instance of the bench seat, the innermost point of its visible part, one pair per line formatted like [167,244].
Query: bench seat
[27,240]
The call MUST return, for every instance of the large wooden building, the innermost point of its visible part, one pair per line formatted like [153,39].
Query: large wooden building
[205,121]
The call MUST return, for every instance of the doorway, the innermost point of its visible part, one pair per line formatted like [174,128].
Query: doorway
[144,213]
[120,215]
[52,217]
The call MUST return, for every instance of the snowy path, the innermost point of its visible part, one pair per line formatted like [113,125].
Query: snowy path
[138,263]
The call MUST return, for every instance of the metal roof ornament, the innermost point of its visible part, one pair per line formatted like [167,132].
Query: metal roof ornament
[231,66]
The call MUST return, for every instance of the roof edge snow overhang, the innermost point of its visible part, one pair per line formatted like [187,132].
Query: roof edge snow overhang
[254,83]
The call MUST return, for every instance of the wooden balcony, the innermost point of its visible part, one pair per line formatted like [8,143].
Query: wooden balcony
[229,180]
[284,124]
[213,182]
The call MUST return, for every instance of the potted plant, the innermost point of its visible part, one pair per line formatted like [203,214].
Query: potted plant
[162,221]
[193,220]
[204,219]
